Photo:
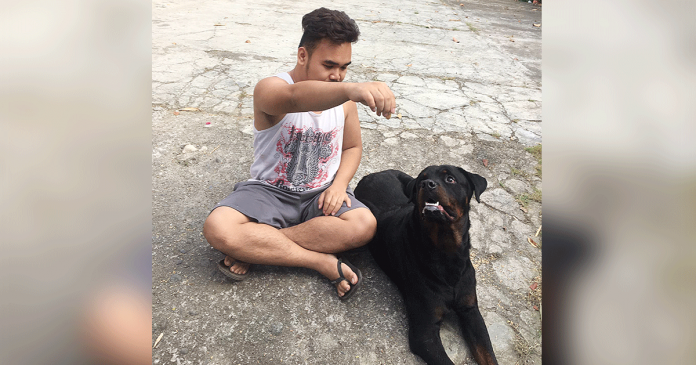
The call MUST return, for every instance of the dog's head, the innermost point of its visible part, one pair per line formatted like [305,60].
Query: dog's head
[442,194]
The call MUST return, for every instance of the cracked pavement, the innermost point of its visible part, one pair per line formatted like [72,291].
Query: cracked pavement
[468,86]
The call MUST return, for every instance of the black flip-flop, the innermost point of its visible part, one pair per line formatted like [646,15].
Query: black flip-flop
[353,288]
[232,275]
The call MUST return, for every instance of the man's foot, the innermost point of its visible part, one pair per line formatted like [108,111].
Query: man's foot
[236,266]
[233,269]
[342,287]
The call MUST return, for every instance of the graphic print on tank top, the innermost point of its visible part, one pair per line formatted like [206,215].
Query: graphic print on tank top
[304,158]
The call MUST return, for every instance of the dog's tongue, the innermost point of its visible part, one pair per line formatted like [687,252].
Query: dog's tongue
[436,206]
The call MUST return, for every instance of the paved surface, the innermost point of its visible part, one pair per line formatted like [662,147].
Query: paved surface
[468,85]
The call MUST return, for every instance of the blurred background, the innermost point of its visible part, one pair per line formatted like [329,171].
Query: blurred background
[619,198]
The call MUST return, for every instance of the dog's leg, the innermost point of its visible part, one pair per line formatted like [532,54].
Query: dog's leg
[424,334]
[475,333]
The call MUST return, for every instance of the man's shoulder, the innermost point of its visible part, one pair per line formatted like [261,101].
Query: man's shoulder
[271,81]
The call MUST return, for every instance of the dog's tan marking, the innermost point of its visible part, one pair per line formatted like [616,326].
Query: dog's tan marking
[440,312]
[482,356]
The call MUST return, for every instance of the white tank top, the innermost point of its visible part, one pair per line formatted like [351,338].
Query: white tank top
[301,152]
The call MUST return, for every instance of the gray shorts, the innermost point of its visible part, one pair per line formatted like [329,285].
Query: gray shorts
[279,208]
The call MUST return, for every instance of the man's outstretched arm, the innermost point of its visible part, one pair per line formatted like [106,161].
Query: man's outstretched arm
[275,97]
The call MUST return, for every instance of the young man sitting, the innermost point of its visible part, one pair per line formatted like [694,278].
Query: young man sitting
[297,209]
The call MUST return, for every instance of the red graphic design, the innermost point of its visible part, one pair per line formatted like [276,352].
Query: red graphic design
[305,158]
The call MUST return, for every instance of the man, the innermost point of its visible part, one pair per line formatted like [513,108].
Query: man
[297,209]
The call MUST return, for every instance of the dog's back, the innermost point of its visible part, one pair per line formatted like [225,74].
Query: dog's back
[384,193]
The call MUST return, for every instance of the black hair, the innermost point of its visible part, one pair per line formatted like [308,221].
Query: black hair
[322,23]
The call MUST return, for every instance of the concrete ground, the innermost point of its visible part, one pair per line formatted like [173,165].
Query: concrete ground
[467,79]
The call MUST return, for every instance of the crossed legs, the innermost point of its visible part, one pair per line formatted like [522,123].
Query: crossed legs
[310,244]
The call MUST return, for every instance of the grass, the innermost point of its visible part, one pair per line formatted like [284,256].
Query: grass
[516,172]
[536,152]
[524,199]
[472,28]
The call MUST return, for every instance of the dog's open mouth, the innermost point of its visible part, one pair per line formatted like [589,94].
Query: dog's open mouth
[433,208]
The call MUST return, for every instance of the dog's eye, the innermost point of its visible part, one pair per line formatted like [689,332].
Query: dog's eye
[450,179]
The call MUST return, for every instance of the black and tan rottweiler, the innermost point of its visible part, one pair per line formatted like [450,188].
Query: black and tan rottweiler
[422,244]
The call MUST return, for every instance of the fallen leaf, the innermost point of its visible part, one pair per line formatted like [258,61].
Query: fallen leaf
[537,233]
[189,109]
[535,308]
[531,241]
[455,40]
[176,113]
[219,25]
[537,25]
[524,209]
[398,116]
[247,41]
[158,340]
[409,65]
[533,286]
[485,162]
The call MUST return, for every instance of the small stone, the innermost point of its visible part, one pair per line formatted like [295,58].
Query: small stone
[276,329]
[516,186]
[183,351]
[176,278]
[248,130]
[391,141]
[189,148]
[182,250]
[449,141]
[179,261]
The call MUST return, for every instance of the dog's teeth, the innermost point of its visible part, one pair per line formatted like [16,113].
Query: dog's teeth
[433,204]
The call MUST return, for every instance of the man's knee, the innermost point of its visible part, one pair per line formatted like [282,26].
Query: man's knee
[221,228]
[365,225]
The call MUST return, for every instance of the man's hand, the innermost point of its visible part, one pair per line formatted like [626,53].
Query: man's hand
[375,95]
[331,199]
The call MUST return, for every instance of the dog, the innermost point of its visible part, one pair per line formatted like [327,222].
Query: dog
[422,243]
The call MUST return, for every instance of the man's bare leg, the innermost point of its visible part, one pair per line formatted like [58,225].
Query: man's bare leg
[235,235]
[326,234]
[330,234]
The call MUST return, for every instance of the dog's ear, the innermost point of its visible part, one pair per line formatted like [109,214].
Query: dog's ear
[410,190]
[478,181]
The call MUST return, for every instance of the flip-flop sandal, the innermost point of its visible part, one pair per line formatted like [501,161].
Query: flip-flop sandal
[232,275]
[353,288]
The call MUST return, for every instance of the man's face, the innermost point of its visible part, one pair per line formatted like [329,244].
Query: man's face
[329,62]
